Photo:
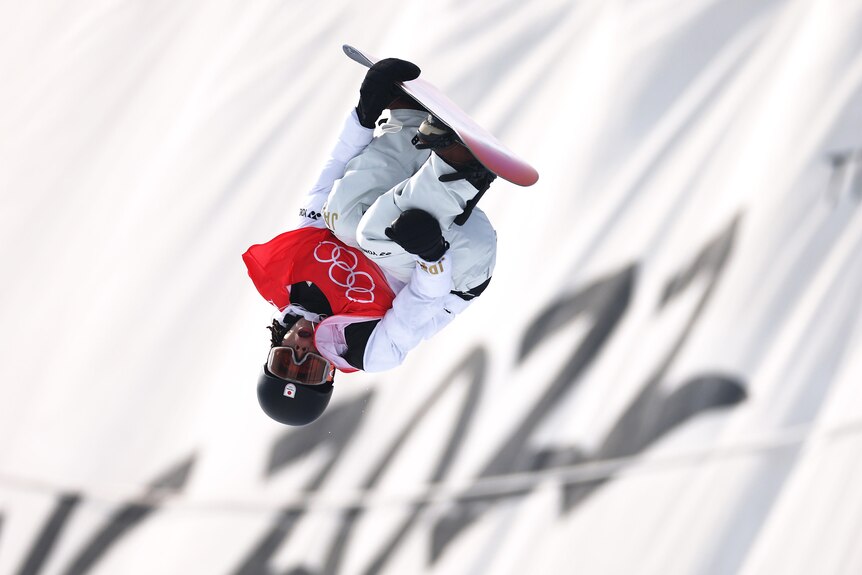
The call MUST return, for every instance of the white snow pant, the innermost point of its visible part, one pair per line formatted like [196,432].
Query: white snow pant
[391,176]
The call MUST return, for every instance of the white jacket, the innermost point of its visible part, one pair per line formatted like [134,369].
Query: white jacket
[421,308]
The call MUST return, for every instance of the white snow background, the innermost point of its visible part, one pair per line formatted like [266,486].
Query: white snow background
[144,145]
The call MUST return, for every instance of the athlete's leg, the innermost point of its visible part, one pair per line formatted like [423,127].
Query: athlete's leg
[389,159]
[472,245]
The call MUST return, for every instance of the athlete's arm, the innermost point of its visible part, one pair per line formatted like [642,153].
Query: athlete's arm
[424,307]
[352,140]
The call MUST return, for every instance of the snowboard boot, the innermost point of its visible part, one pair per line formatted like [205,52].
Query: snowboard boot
[442,140]
[437,136]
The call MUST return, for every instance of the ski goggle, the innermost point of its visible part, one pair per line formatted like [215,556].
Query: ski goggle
[312,369]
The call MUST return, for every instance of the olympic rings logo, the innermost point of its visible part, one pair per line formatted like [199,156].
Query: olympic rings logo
[342,271]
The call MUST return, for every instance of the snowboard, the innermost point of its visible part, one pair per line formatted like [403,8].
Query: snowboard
[488,150]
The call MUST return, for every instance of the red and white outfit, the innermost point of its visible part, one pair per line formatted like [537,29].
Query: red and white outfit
[409,306]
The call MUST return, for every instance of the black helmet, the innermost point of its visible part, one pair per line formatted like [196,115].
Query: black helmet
[291,403]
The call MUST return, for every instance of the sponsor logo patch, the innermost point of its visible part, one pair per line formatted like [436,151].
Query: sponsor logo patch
[309,214]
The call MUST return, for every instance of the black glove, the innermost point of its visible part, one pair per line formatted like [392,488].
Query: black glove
[380,87]
[418,232]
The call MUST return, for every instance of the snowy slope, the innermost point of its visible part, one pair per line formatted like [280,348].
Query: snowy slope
[665,376]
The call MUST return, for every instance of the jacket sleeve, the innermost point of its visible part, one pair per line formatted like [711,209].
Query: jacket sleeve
[419,311]
[353,139]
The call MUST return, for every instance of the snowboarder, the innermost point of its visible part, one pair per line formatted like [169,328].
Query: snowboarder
[388,249]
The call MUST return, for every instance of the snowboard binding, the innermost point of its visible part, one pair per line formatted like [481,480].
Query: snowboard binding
[442,140]
[434,135]
[480,177]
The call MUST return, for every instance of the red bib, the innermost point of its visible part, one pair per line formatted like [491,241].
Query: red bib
[352,283]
